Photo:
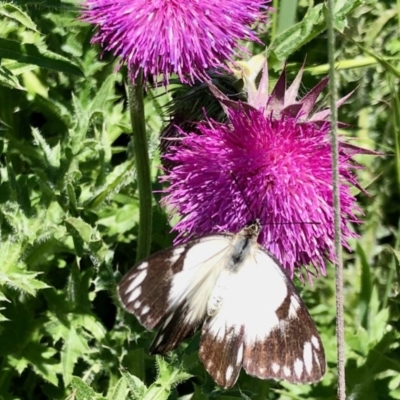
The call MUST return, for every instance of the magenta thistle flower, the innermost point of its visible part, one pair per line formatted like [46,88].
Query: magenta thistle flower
[273,163]
[185,37]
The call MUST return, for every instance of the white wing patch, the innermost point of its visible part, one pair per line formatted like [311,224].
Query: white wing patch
[308,357]
[139,278]
[315,342]
[135,294]
[176,253]
[294,306]
[276,367]
[257,286]
[143,265]
[298,367]
[195,282]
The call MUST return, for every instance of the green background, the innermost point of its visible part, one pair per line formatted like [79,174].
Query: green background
[69,210]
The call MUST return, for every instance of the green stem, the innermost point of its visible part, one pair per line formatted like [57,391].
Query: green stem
[341,390]
[275,16]
[136,107]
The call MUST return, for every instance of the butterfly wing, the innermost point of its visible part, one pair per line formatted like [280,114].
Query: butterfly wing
[170,288]
[262,325]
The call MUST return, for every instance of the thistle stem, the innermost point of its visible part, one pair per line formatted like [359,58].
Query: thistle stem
[341,391]
[136,107]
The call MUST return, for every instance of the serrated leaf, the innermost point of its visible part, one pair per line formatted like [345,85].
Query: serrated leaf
[3,297]
[40,358]
[103,95]
[13,12]
[51,154]
[358,341]
[116,179]
[313,23]
[18,68]
[198,394]
[83,391]
[169,375]
[92,325]
[31,54]
[75,346]
[81,227]
[119,391]
[8,79]
[14,274]
[137,387]
[378,326]
[298,35]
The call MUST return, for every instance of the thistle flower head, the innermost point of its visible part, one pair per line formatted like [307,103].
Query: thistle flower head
[269,162]
[185,37]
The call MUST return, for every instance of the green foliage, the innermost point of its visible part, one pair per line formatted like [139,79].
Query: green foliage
[69,211]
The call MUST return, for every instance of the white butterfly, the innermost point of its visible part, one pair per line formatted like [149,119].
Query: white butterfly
[249,311]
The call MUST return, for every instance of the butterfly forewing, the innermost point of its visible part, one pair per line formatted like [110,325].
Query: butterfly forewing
[173,284]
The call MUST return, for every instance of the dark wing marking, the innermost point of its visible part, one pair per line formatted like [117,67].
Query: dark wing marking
[144,290]
[174,328]
[221,352]
[293,351]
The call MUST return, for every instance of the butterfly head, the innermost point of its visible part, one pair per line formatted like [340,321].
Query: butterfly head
[252,228]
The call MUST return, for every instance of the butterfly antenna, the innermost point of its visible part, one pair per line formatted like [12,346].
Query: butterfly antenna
[242,193]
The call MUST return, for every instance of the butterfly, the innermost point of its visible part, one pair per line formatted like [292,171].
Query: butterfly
[240,297]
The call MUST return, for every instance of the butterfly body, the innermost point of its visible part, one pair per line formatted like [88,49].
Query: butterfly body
[247,308]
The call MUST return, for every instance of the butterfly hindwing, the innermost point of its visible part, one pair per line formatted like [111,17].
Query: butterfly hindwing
[173,330]
[172,285]
[262,325]
[221,351]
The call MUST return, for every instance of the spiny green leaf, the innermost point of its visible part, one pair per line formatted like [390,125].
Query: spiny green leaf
[75,346]
[119,391]
[8,79]
[13,12]
[116,179]
[14,273]
[104,95]
[31,54]
[51,155]
[41,358]
[169,375]
[137,387]
[84,230]
[82,391]
[313,23]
